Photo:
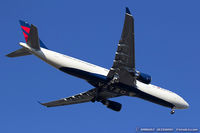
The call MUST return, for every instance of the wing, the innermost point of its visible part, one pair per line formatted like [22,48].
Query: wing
[124,63]
[80,98]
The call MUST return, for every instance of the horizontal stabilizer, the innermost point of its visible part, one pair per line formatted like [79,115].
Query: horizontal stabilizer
[19,52]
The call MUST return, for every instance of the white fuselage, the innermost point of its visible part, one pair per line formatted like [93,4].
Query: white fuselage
[59,60]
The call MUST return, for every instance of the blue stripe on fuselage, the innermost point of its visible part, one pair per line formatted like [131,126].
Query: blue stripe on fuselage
[83,74]
[95,78]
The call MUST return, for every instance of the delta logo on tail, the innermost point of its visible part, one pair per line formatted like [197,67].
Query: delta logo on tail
[26,29]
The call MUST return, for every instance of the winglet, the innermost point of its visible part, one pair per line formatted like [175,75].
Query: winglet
[127,10]
[40,103]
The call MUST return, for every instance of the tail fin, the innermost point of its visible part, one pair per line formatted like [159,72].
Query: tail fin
[31,36]
[33,39]
[26,30]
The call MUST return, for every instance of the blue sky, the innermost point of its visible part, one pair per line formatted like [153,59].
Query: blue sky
[167,47]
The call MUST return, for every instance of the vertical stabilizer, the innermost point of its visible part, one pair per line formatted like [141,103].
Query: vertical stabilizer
[33,39]
[26,29]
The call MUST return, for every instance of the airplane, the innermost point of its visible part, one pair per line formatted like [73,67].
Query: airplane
[122,79]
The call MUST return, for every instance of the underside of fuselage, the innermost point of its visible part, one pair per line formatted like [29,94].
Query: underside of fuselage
[98,81]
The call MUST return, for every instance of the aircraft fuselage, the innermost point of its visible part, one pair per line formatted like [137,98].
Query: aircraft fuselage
[97,76]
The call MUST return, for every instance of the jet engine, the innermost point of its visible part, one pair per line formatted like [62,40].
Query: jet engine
[142,77]
[112,105]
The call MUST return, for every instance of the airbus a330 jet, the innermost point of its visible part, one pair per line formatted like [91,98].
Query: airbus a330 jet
[122,79]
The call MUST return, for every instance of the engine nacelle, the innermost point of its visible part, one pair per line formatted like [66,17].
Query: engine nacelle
[142,77]
[112,105]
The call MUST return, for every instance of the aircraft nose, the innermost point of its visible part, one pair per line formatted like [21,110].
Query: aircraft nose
[181,103]
[185,104]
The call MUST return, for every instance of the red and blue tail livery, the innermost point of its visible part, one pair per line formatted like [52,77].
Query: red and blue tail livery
[26,29]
